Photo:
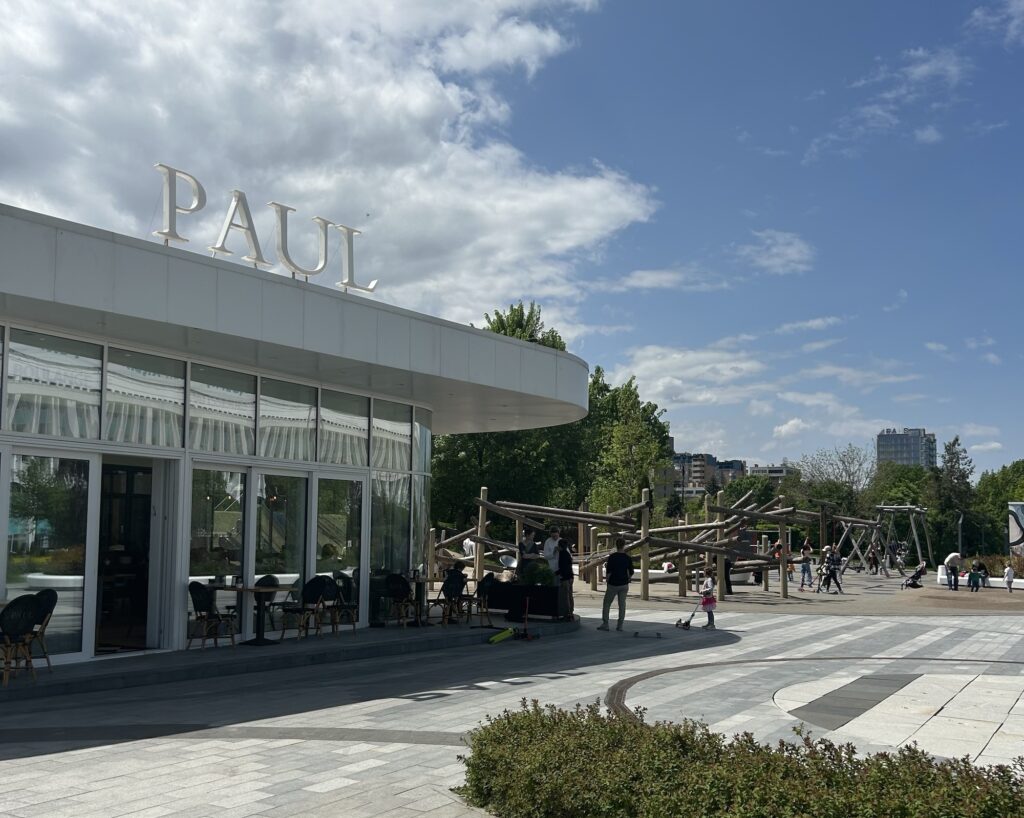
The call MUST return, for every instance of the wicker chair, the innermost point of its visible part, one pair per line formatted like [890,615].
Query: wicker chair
[17,630]
[483,590]
[402,600]
[271,581]
[46,602]
[454,600]
[336,605]
[307,609]
[208,619]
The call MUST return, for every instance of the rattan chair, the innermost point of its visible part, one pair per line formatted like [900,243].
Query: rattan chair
[17,630]
[307,609]
[402,601]
[453,599]
[46,602]
[336,605]
[208,620]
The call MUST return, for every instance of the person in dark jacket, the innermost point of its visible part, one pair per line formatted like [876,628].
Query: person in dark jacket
[618,569]
[565,576]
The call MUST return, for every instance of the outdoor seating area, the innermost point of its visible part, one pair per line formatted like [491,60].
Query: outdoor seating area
[23,622]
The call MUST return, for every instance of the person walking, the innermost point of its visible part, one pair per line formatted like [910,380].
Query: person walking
[707,600]
[952,563]
[1008,578]
[565,576]
[805,566]
[974,579]
[619,570]
[833,562]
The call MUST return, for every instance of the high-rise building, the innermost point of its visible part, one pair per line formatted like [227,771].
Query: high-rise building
[695,471]
[775,474]
[911,447]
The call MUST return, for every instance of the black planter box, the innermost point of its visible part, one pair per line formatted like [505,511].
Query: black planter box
[510,597]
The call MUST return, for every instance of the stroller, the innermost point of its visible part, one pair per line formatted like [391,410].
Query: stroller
[914,580]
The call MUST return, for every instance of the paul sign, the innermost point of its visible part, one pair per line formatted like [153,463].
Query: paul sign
[239,217]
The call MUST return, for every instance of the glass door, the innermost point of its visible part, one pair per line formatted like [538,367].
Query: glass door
[52,536]
[339,534]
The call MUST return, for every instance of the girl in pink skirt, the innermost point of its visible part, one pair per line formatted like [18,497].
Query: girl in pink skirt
[707,600]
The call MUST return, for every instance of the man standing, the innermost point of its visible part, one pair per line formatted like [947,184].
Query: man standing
[565,578]
[619,569]
[952,563]
[551,551]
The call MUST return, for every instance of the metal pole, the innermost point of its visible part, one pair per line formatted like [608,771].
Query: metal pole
[481,531]
[720,559]
[645,549]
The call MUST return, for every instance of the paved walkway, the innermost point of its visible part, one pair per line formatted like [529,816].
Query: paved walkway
[380,737]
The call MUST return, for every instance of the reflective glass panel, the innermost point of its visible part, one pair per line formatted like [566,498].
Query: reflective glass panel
[287,420]
[281,527]
[422,422]
[53,385]
[46,540]
[222,411]
[392,435]
[145,399]
[344,428]
[217,533]
[420,521]
[339,511]
[389,535]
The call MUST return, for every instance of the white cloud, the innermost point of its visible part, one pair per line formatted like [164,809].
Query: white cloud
[817,346]
[791,428]
[990,446]
[811,324]
[980,430]
[982,128]
[909,397]
[760,408]
[853,376]
[900,300]
[732,341]
[935,346]
[928,135]
[1005,19]
[991,358]
[858,428]
[979,343]
[673,376]
[778,252]
[818,93]
[820,400]
[700,436]
[385,117]
[683,280]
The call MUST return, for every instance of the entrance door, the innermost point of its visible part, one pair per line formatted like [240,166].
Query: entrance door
[122,603]
[339,535]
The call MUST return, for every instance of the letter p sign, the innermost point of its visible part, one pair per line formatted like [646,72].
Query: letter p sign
[171,206]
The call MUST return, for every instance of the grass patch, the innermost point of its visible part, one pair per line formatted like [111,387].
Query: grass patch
[543,762]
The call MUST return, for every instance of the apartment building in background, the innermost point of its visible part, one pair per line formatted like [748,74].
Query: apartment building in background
[911,447]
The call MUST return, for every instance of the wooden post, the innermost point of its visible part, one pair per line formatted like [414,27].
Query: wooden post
[682,558]
[822,528]
[720,559]
[783,557]
[519,532]
[766,550]
[595,570]
[481,531]
[645,549]
[431,557]
[581,535]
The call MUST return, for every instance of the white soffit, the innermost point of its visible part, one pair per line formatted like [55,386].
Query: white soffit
[66,276]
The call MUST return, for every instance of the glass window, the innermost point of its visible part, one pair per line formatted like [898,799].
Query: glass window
[422,421]
[389,532]
[53,385]
[222,411]
[145,399]
[281,527]
[287,420]
[420,521]
[339,511]
[344,428]
[217,534]
[46,540]
[392,435]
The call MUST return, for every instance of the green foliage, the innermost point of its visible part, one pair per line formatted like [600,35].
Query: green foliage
[538,572]
[525,324]
[761,486]
[549,763]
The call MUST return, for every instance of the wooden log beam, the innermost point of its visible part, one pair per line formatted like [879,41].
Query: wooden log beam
[569,514]
[457,537]
[857,521]
[772,516]
[628,509]
[519,518]
[678,529]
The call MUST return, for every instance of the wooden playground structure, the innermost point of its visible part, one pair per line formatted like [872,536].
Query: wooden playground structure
[693,547]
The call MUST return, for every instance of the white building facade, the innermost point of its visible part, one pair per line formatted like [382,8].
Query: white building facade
[168,417]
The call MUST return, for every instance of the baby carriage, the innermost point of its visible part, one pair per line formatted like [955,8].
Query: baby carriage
[914,580]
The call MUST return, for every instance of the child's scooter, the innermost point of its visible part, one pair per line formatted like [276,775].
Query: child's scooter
[686,625]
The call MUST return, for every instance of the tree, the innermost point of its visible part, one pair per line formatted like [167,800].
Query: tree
[994,491]
[525,324]
[954,496]
[851,466]
[760,486]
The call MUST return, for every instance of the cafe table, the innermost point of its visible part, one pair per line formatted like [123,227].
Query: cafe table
[260,592]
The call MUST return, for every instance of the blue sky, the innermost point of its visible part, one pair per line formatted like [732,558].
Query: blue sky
[795,222]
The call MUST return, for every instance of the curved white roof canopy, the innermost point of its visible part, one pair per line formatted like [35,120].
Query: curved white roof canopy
[61,275]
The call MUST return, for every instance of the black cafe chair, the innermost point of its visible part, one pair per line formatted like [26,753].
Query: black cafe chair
[17,630]
[208,620]
[335,605]
[46,603]
[401,599]
[307,610]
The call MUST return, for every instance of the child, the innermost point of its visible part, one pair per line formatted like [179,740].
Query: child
[973,579]
[707,600]
[1008,578]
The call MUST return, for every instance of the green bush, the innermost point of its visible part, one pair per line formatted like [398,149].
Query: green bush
[545,762]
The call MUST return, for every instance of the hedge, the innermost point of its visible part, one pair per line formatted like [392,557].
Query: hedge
[543,762]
